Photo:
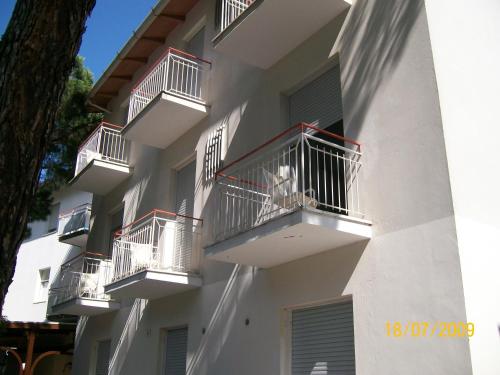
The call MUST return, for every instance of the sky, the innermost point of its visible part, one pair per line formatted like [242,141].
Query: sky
[108,29]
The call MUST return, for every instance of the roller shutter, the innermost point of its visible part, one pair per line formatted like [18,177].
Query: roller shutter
[176,351]
[323,340]
[319,102]
[103,354]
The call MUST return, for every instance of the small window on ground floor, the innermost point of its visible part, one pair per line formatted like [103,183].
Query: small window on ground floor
[322,340]
[175,351]
[102,357]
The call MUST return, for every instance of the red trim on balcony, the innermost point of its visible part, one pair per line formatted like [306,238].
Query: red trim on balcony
[162,56]
[102,124]
[153,213]
[301,126]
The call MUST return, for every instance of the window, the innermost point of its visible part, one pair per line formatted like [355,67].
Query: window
[175,351]
[323,340]
[102,357]
[42,288]
[53,218]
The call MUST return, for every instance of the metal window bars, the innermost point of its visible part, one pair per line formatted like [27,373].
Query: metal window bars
[304,166]
[161,241]
[83,276]
[176,72]
[104,143]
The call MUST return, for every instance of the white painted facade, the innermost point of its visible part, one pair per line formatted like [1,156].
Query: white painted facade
[26,300]
[400,100]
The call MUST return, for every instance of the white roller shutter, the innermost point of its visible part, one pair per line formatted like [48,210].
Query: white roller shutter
[103,354]
[323,340]
[176,352]
[319,101]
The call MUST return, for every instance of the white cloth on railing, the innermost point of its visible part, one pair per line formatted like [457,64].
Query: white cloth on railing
[282,187]
[141,256]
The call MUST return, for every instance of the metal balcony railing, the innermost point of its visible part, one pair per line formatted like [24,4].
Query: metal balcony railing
[231,10]
[176,72]
[105,143]
[77,220]
[161,241]
[83,276]
[303,166]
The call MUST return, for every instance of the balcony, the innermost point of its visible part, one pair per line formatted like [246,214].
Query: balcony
[156,256]
[169,100]
[74,226]
[294,196]
[261,32]
[79,289]
[102,161]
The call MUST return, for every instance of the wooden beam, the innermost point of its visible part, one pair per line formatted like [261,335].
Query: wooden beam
[175,17]
[142,60]
[123,78]
[153,39]
[29,352]
[110,94]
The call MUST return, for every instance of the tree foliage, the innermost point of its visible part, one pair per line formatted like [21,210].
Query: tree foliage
[72,125]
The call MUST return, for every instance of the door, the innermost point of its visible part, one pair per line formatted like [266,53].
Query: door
[319,103]
[175,351]
[323,340]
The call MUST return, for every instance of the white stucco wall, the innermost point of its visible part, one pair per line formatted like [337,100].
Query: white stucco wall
[409,271]
[40,251]
[465,40]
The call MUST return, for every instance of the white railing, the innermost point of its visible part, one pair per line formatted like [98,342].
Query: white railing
[77,220]
[231,10]
[160,241]
[83,276]
[301,167]
[105,143]
[177,73]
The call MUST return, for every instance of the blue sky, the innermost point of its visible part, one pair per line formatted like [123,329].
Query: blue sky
[108,29]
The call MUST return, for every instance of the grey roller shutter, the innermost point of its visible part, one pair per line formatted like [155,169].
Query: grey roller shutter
[319,102]
[185,189]
[323,340]
[103,354]
[176,351]
[185,206]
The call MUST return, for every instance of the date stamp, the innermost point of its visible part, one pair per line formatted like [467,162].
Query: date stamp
[429,329]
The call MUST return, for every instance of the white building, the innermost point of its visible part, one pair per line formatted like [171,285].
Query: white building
[282,187]
[39,261]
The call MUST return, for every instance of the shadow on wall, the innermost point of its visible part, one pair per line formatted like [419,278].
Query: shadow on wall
[371,46]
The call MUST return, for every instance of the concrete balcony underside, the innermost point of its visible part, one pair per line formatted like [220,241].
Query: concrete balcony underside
[269,29]
[85,306]
[164,120]
[152,284]
[100,176]
[76,238]
[290,237]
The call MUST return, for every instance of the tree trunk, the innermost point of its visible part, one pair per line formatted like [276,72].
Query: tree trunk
[37,53]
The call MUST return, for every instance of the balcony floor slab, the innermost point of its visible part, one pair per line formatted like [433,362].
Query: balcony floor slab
[85,306]
[164,120]
[152,284]
[268,30]
[100,177]
[290,237]
[77,238]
